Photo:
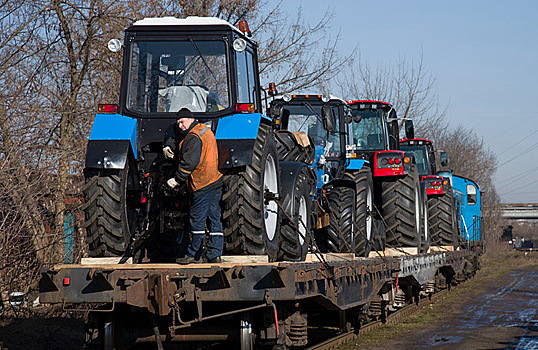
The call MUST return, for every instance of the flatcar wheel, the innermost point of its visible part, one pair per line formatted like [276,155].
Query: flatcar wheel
[246,337]
[108,333]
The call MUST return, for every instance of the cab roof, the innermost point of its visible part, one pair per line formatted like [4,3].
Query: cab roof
[189,23]
[383,105]
[313,97]
[412,140]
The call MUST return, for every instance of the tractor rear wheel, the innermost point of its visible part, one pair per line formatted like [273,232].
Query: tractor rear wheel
[110,209]
[294,246]
[401,210]
[341,220]
[443,229]
[361,237]
[289,149]
[251,223]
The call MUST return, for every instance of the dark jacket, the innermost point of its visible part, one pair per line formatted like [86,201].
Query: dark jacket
[188,154]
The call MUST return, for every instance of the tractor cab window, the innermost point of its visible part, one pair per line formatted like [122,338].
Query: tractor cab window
[368,134]
[246,82]
[419,153]
[306,118]
[471,195]
[165,76]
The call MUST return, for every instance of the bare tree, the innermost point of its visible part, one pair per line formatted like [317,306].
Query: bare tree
[296,55]
[470,157]
[408,85]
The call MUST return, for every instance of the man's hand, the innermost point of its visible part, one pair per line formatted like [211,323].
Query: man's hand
[172,183]
[168,153]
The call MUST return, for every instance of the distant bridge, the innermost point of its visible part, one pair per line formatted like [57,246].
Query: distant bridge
[519,210]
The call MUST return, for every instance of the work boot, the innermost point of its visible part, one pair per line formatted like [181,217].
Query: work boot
[216,260]
[186,260]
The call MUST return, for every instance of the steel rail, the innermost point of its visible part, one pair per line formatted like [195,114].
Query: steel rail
[393,318]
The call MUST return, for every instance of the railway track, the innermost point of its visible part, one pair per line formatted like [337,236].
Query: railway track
[393,318]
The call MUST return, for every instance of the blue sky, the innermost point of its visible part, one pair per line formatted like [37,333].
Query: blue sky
[484,55]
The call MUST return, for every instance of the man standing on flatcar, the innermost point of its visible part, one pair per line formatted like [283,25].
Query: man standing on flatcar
[198,166]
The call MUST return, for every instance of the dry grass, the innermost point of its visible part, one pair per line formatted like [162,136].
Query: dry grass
[493,266]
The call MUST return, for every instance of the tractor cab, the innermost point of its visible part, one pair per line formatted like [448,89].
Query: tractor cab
[203,64]
[375,127]
[424,154]
[323,119]
[429,162]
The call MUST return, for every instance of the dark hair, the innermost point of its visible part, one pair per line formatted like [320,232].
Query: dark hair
[184,113]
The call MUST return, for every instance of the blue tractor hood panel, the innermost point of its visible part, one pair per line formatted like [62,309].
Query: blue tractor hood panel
[239,126]
[357,164]
[114,127]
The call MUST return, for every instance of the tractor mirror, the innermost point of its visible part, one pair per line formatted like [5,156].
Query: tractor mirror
[327,117]
[284,115]
[392,115]
[280,115]
[409,129]
[443,158]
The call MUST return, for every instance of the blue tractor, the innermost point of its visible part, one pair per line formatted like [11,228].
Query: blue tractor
[469,210]
[315,129]
[210,67]
[399,197]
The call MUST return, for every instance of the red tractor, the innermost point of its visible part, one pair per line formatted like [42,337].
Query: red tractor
[441,202]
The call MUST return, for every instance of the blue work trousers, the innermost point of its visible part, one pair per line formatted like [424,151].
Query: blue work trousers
[204,209]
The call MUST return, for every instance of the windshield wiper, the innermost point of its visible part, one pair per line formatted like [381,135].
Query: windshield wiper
[203,59]
[311,109]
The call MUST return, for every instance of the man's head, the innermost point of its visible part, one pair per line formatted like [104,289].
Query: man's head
[184,118]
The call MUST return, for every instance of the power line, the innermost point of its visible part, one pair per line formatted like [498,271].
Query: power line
[521,154]
[515,189]
[517,143]
[515,125]
[517,177]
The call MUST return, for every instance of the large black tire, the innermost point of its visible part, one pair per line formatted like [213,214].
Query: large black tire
[294,245]
[361,238]
[251,224]
[401,210]
[290,150]
[443,221]
[341,220]
[111,199]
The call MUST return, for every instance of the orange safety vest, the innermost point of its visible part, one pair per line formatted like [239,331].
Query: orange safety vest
[207,170]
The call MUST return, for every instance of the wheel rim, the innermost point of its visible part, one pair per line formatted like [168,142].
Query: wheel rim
[245,332]
[417,209]
[368,222]
[131,197]
[426,223]
[304,220]
[108,335]
[270,209]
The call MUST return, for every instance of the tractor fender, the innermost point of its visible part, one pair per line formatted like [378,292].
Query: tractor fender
[357,164]
[112,138]
[236,135]
[289,172]
[107,154]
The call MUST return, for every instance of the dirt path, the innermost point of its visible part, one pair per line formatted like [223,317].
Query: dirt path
[496,310]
